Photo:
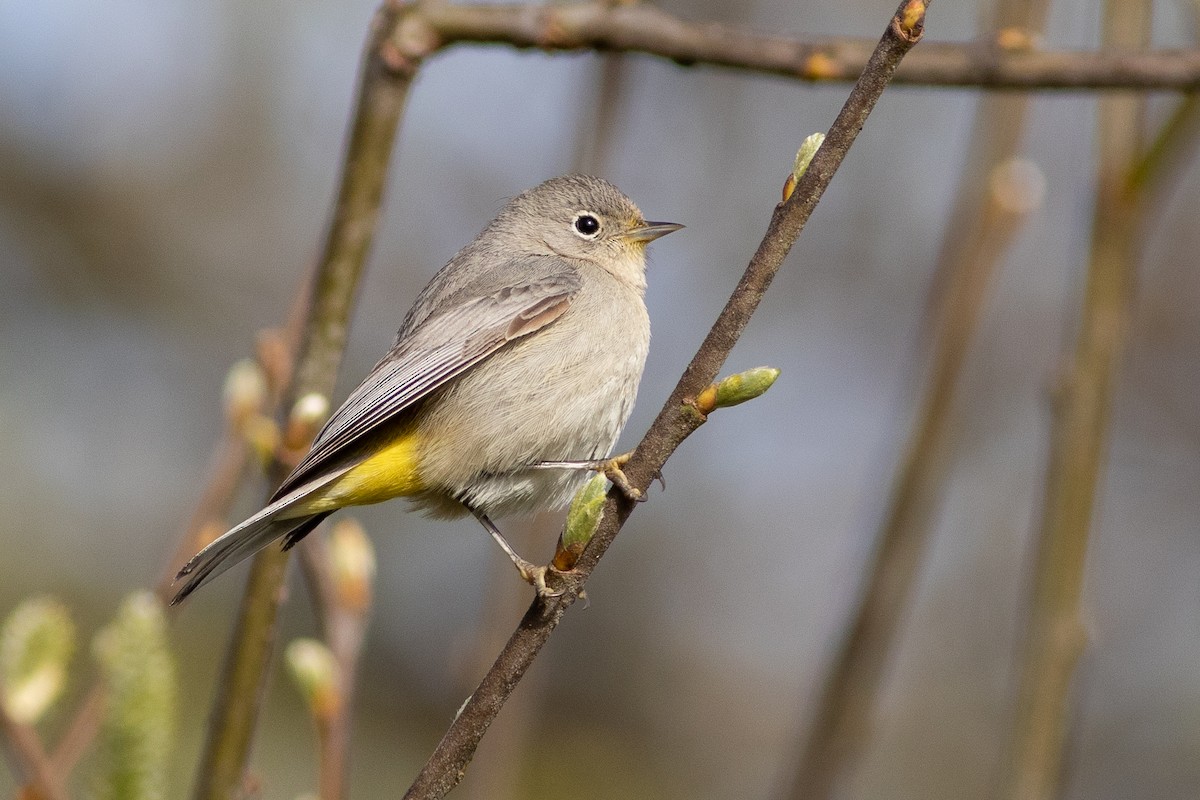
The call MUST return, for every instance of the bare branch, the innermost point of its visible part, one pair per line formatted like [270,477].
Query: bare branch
[228,466]
[30,763]
[994,64]
[1054,635]
[387,73]
[678,418]
[343,604]
[976,239]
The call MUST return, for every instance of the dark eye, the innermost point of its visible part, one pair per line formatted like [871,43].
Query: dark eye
[587,225]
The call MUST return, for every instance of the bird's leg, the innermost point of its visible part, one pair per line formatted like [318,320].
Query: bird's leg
[533,574]
[609,468]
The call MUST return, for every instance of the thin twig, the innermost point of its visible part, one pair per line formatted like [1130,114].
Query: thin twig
[81,731]
[496,776]
[678,418]
[642,28]
[30,763]
[343,628]
[1054,635]
[976,239]
[387,74]
[228,465]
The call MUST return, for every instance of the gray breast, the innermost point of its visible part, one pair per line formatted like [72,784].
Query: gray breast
[562,394]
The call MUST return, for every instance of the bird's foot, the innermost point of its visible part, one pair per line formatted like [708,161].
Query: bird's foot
[610,468]
[533,574]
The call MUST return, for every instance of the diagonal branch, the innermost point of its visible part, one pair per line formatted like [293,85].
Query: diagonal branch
[679,416]
[976,239]
[31,764]
[1008,62]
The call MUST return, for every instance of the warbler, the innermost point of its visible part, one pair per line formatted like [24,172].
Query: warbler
[511,376]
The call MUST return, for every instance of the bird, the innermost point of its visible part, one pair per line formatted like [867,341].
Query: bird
[510,378]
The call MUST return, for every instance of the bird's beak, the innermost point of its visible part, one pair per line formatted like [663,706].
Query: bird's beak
[651,231]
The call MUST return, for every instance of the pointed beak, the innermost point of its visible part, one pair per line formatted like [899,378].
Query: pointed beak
[651,231]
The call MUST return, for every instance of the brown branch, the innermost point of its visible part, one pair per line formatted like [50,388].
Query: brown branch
[992,64]
[81,731]
[1054,635]
[230,459]
[227,468]
[678,418]
[497,776]
[30,763]
[342,611]
[977,236]
[389,65]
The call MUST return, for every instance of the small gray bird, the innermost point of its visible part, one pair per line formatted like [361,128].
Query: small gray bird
[512,375]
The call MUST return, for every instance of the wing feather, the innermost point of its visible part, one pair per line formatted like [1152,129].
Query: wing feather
[443,346]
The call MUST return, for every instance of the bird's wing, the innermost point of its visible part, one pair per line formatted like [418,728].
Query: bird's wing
[443,346]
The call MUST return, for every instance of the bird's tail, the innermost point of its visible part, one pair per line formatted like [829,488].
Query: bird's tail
[277,520]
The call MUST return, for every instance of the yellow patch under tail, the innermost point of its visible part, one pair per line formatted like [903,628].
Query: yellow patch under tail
[391,471]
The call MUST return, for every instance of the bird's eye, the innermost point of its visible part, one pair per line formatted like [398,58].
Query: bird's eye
[586,225]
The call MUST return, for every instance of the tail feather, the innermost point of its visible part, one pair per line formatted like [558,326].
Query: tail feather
[239,543]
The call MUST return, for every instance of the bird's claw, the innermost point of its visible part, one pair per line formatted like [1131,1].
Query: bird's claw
[611,469]
[535,576]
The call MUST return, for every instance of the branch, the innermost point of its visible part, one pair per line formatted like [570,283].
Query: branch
[679,416]
[1054,635]
[339,574]
[976,239]
[387,75]
[228,465]
[1007,62]
[30,763]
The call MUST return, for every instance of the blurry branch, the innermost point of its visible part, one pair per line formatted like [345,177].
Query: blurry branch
[1008,61]
[599,118]
[315,671]
[340,573]
[1054,634]
[30,763]
[37,640]
[986,214]
[1166,158]
[251,397]
[388,70]
[228,465]
[679,417]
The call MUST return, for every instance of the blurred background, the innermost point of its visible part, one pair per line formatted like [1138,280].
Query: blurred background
[166,170]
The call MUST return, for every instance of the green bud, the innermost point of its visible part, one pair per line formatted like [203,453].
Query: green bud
[314,670]
[138,731]
[804,156]
[36,645]
[587,508]
[745,386]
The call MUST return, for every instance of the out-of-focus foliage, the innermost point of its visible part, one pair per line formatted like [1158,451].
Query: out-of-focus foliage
[36,645]
[138,733]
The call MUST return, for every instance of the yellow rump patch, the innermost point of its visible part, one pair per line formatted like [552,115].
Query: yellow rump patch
[391,471]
